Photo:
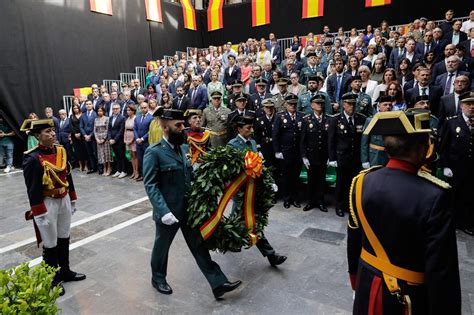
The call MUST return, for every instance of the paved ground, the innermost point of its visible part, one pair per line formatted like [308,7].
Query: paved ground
[112,237]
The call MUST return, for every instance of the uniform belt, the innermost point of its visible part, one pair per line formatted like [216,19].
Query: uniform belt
[377,147]
[412,277]
[55,193]
[218,133]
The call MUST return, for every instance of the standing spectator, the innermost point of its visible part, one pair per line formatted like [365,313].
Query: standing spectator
[32,141]
[353,66]
[368,85]
[115,134]
[181,101]
[215,119]
[104,154]
[231,73]
[214,85]
[6,145]
[295,87]
[197,94]
[296,46]
[455,36]
[446,80]
[140,129]
[368,34]
[388,76]
[246,71]
[126,101]
[77,139]
[155,133]
[404,71]
[166,101]
[378,70]
[150,73]
[48,112]
[137,90]
[469,24]
[434,92]
[275,52]
[64,136]
[395,91]
[87,132]
[263,55]
[129,138]
[447,25]
[151,93]
[337,83]
[449,104]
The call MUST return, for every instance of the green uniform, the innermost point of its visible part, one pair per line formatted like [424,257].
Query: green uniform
[167,177]
[372,148]
[363,105]
[279,100]
[307,72]
[304,103]
[216,122]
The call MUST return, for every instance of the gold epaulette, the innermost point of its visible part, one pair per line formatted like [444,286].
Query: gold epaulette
[433,179]
[351,208]
[30,150]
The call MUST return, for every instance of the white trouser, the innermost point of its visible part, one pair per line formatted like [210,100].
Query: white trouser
[59,217]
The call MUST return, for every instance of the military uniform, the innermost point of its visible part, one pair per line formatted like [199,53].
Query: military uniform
[198,141]
[372,148]
[309,71]
[401,243]
[314,147]
[216,121]
[255,103]
[263,135]
[363,104]
[344,147]
[231,131]
[279,100]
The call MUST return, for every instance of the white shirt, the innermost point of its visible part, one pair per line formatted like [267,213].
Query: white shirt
[427,90]
[466,119]
[466,26]
[230,70]
[348,117]
[456,101]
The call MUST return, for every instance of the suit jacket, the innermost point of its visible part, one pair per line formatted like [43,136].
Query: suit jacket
[228,78]
[434,96]
[124,105]
[185,103]
[141,91]
[167,178]
[394,57]
[87,123]
[408,85]
[206,76]
[417,57]
[332,84]
[116,130]
[467,48]
[64,132]
[96,102]
[447,107]
[140,129]
[82,106]
[449,37]
[442,79]
[173,86]
[200,99]
[276,55]
[420,49]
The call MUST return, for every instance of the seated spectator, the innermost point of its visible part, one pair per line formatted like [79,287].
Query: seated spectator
[6,145]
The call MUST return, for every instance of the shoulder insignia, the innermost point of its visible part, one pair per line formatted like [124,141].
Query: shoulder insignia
[360,114]
[452,117]
[370,169]
[30,150]
[435,180]
[336,115]
[307,116]
[251,112]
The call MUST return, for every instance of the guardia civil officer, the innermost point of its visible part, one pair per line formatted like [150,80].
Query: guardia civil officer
[401,245]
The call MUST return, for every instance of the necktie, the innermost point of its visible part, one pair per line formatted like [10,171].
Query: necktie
[416,84]
[449,84]
[248,143]
[143,117]
[351,124]
[61,124]
[113,120]
[338,87]
[423,91]
[179,102]
[427,49]
[193,95]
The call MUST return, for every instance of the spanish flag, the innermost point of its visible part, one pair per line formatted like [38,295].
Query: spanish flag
[153,10]
[214,15]
[84,91]
[189,15]
[101,6]
[376,3]
[312,8]
[260,12]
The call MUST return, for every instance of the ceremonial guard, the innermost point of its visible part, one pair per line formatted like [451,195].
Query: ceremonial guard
[214,118]
[363,100]
[256,99]
[52,198]
[286,141]
[279,98]
[401,243]
[314,152]
[372,151]
[457,161]
[167,178]
[344,138]
[240,102]
[243,141]
[304,102]
[196,136]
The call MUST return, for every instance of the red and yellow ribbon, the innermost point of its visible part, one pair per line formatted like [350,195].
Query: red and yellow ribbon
[253,170]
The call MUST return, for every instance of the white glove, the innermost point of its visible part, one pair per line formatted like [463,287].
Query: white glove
[41,221]
[447,172]
[73,206]
[169,219]
[306,162]
[279,155]
[365,165]
[260,155]
[332,163]
[274,187]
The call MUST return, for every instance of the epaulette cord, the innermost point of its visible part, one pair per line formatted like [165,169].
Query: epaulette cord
[30,150]
[433,179]
[351,207]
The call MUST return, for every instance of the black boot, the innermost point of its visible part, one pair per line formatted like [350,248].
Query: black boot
[50,257]
[63,261]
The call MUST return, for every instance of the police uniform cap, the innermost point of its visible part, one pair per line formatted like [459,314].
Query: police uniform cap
[399,123]
[237,83]
[261,81]
[420,98]
[349,98]
[37,125]
[318,98]
[291,99]
[385,98]
[466,97]
[158,111]
[240,96]
[172,114]
[192,112]
[282,81]
[268,102]
[216,93]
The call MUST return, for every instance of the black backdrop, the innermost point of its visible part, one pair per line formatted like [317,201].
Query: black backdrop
[46,50]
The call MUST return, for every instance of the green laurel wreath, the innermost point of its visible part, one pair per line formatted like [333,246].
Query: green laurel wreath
[221,166]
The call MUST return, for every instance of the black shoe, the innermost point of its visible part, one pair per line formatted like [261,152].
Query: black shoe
[308,207]
[286,204]
[72,276]
[226,287]
[276,260]
[91,171]
[322,207]
[468,231]
[296,204]
[339,212]
[66,274]
[162,287]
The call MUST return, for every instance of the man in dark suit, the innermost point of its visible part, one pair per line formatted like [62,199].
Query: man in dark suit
[446,80]
[449,104]
[275,52]
[106,104]
[469,45]
[86,125]
[397,52]
[255,100]
[205,72]
[427,46]
[115,136]
[197,94]
[410,53]
[140,130]
[438,39]
[173,86]
[256,74]
[465,61]
[64,135]
[231,73]
[455,36]
[434,92]
[95,99]
[337,83]
[181,101]
[126,101]
[48,112]
[82,103]
[137,90]
[440,67]
[414,82]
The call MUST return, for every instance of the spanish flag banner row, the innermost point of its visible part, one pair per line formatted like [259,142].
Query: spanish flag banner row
[214,15]
[312,8]
[153,10]
[101,6]
[260,12]
[189,15]
[376,3]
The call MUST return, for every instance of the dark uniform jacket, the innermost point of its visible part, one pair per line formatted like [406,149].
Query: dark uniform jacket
[231,130]
[286,134]
[314,139]
[343,141]
[409,215]
[263,135]
[255,103]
